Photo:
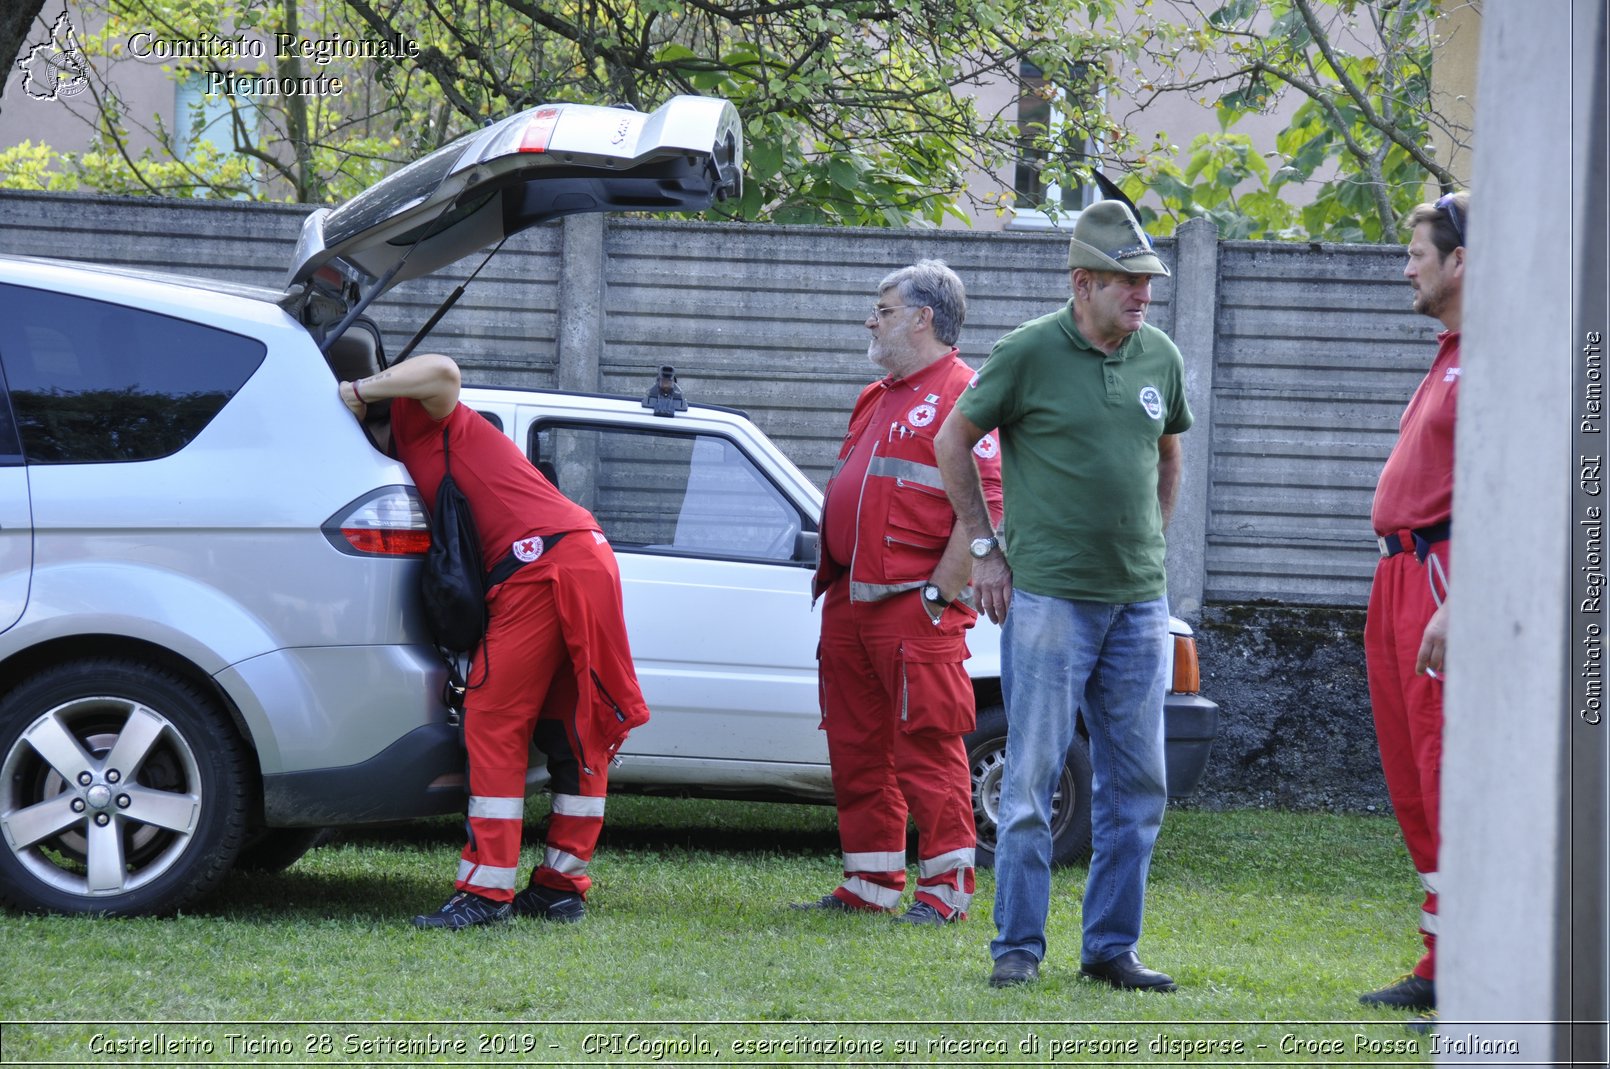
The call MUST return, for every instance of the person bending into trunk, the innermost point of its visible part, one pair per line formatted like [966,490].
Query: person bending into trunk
[554,665]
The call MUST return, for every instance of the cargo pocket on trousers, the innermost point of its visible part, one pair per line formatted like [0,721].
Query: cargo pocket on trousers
[936,696]
[821,690]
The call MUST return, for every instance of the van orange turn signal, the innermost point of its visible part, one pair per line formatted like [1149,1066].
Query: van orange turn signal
[1187,673]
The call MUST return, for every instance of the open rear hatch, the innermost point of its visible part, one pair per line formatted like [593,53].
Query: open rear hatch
[543,163]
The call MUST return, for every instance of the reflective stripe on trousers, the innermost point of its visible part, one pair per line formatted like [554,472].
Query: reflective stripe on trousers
[871,893]
[576,805]
[563,862]
[875,861]
[946,880]
[473,877]
[497,808]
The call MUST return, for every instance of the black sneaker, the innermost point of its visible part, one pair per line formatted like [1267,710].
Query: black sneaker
[829,904]
[463,910]
[927,913]
[545,903]
[1409,993]
[1424,1023]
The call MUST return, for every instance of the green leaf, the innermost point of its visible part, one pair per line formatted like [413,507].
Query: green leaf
[1292,31]
[843,172]
[764,159]
[1232,14]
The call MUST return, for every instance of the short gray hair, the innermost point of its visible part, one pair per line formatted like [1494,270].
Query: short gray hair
[931,284]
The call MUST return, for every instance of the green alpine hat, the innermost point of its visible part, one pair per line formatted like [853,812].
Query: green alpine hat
[1107,238]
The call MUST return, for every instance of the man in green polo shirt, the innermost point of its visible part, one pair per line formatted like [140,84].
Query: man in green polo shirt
[1089,401]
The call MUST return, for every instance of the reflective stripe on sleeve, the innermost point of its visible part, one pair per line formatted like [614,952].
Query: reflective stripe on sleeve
[875,861]
[497,808]
[576,805]
[487,876]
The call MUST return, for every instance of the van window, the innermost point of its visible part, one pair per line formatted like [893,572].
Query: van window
[668,492]
[92,382]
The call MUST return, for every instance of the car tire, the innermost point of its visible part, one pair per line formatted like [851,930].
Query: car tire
[1070,806]
[277,849]
[81,835]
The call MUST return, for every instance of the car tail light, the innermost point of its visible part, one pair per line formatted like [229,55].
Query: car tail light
[539,130]
[387,523]
[1187,672]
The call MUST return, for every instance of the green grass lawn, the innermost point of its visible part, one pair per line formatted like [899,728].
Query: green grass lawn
[1272,923]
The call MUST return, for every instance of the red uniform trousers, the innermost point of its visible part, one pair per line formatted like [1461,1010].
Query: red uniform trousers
[895,704]
[531,691]
[1408,716]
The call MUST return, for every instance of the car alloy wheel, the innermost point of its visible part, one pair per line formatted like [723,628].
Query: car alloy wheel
[121,791]
[1070,804]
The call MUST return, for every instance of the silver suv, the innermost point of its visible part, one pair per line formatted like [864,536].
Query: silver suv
[209,643]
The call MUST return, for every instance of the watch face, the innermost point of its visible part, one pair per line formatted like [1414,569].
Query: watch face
[932,593]
[980,547]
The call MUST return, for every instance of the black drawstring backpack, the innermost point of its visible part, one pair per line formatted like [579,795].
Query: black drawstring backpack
[453,583]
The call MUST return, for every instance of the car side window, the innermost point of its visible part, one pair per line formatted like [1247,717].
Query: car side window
[92,381]
[10,446]
[678,493]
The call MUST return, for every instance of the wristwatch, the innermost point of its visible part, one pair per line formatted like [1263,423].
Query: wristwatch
[934,596]
[980,548]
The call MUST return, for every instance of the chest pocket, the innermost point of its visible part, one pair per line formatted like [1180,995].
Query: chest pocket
[913,512]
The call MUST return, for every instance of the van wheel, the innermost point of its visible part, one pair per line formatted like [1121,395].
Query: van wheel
[122,791]
[1070,805]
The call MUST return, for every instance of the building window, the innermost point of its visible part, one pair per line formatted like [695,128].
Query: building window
[200,118]
[1047,133]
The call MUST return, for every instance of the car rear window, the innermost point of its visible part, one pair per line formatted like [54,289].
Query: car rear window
[96,382]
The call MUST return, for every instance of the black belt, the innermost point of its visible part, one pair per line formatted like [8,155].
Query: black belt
[1420,540]
[511,563]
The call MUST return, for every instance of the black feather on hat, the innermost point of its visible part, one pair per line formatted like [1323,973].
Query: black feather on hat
[1108,237]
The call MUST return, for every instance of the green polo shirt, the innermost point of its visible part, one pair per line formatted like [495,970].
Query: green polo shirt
[1078,433]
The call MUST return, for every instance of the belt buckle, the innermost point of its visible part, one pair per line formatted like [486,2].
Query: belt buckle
[1382,544]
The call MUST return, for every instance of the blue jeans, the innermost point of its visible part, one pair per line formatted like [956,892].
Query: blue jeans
[1058,656]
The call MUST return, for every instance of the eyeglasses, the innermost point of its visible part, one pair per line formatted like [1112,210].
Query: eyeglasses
[1446,204]
[884,311]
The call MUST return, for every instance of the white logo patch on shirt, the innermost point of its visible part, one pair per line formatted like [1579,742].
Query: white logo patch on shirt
[527,550]
[972,383]
[922,415]
[1151,401]
[987,447]
[1452,374]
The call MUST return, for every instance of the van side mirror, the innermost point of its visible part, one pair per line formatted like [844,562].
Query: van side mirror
[807,548]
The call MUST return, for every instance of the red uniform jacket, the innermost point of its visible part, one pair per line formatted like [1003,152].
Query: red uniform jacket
[904,518]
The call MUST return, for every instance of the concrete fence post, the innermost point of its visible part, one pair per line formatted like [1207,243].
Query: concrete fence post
[1196,298]
[581,303]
